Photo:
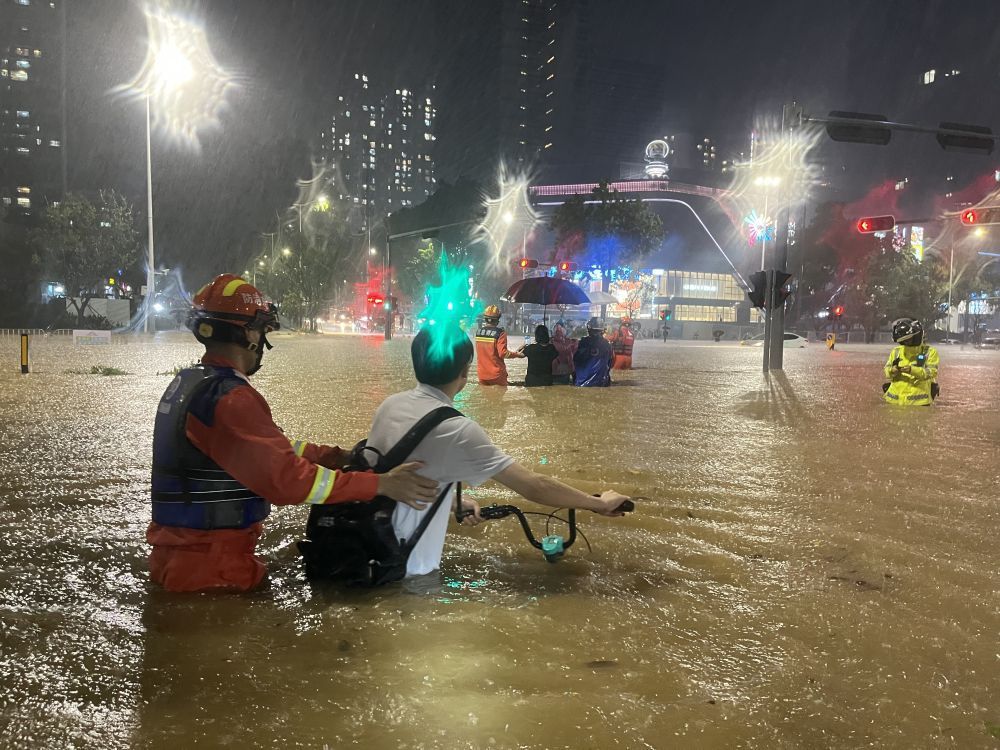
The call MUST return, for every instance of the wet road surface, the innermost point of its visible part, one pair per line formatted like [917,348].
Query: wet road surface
[813,569]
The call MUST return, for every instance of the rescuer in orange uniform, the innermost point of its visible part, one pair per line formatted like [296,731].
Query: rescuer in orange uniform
[491,349]
[219,461]
[622,342]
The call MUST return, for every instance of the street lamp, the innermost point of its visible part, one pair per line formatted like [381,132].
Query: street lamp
[182,79]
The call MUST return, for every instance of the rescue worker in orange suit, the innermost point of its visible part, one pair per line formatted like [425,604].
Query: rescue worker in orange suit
[491,349]
[622,342]
[219,460]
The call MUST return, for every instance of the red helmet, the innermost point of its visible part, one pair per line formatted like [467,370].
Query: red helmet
[232,300]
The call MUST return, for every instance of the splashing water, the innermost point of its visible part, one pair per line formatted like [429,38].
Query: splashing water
[450,309]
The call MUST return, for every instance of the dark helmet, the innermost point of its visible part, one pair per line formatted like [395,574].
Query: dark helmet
[594,324]
[907,332]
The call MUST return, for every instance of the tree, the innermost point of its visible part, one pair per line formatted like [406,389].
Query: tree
[83,244]
[892,284]
[813,259]
[610,231]
[605,230]
[300,279]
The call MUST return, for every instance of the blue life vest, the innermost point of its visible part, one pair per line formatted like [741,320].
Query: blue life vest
[592,362]
[189,489]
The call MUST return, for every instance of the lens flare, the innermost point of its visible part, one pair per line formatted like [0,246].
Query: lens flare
[780,174]
[185,85]
[510,219]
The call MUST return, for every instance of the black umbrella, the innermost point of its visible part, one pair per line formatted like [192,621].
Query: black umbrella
[546,290]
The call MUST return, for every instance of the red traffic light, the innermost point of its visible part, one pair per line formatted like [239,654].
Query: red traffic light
[977,216]
[871,224]
[375,299]
[527,263]
[838,311]
[567,266]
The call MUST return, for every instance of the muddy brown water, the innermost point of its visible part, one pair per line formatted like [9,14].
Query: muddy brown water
[812,569]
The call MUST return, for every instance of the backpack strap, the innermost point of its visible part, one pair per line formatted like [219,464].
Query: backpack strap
[409,442]
[401,451]
[410,543]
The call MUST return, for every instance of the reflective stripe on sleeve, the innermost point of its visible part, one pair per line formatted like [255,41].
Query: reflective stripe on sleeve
[322,486]
[299,446]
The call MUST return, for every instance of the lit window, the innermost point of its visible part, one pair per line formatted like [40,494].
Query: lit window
[24,190]
[929,76]
[24,2]
[55,144]
[23,64]
[38,53]
[19,75]
[22,114]
[24,202]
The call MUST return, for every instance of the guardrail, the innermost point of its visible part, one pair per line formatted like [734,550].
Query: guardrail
[16,332]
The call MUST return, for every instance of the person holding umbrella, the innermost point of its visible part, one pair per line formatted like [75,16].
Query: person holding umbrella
[491,349]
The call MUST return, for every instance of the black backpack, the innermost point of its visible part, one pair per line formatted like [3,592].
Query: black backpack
[354,542]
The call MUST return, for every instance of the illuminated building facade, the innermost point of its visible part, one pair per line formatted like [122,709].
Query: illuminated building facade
[32,106]
[381,146]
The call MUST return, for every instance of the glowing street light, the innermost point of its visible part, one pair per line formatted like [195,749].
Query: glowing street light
[509,218]
[188,87]
[286,251]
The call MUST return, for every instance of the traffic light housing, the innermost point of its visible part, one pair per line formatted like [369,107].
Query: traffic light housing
[979,216]
[871,224]
[666,314]
[758,294]
[567,266]
[758,280]
[780,292]
[525,263]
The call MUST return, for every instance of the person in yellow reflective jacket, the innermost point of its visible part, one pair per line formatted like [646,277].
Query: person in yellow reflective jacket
[912,366]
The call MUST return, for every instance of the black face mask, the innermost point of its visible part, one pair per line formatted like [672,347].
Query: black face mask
[259,348]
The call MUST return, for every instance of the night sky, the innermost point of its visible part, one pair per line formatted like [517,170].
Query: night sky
[722,64]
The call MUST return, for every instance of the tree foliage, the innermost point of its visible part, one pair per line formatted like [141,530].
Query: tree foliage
[300,278]
[606,229]
[82,243]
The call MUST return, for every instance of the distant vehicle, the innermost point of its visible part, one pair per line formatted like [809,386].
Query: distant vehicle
[792,341]
[991,338]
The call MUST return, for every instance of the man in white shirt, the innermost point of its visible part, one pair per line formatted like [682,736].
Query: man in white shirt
[459,450]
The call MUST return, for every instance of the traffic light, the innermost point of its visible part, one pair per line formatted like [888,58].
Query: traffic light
[780,293]
[375,299]
[978,216]
[871,224]
[666,313]
[758,295]
[759,282]
[567,266]
[527,263]
[838,312]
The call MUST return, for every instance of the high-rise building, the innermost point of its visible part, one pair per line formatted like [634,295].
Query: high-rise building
[381,146]
[521,66]
[32,104]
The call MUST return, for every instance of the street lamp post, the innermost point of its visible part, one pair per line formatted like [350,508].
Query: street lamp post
[150,255]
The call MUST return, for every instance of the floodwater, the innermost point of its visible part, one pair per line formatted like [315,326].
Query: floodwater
[811,569]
